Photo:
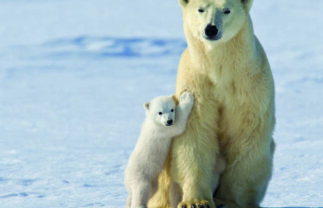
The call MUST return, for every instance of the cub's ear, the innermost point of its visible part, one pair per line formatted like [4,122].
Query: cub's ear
[146,106]
[175,99]
[247,4]
[183,3]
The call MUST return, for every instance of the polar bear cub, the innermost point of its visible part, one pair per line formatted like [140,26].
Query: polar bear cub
[164,120]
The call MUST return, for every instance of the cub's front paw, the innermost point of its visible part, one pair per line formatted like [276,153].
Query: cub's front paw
[194,204]
[186,97]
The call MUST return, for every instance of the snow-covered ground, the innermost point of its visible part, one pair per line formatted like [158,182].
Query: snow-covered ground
[74,75]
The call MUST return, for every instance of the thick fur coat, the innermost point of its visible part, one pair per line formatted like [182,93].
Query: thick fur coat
[227,70]
[164,120]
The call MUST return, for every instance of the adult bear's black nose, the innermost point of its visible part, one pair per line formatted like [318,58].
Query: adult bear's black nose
[211,31]
[169,122]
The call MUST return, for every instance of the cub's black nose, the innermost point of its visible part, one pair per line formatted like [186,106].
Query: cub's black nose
[211,31]
[169,122]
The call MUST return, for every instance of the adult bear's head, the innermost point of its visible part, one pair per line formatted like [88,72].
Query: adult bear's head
[214,20]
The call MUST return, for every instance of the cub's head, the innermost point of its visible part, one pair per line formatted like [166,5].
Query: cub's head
[161,110]
[214,20]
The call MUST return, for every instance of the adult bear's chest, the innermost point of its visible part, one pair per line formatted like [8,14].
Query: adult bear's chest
[239,112]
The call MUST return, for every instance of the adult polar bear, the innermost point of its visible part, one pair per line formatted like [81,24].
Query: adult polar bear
[226,69]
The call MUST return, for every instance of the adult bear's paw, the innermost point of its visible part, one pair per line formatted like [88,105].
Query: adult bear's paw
[194,204]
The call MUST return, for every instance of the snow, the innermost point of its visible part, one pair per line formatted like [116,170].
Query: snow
[74,75]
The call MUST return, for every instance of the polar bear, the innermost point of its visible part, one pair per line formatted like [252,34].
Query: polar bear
[164,120]
[226,68]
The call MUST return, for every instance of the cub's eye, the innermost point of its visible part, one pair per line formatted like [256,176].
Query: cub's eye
[226,11]
[160,113]
[172,110]
[201,10]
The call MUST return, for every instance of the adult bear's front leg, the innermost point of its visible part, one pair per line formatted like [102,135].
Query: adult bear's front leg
[194,156]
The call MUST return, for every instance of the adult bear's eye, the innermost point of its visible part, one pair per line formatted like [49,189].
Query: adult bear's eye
[172,110]
[160,113]
[226,11]
[201,10]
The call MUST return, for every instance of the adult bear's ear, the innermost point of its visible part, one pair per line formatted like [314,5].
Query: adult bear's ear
[247,4]
[146,106]
[183,3]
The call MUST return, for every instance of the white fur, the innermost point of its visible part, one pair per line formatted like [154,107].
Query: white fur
[149,155]
[233,113]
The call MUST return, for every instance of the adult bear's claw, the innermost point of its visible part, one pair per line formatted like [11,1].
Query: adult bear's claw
[195,204]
